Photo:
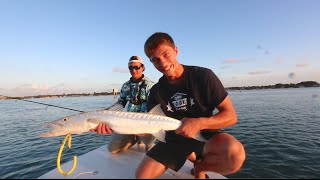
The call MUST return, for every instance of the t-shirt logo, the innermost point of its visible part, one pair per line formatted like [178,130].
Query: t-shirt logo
[179,101]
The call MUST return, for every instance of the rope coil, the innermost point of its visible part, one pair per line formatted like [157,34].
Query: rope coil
[68,137]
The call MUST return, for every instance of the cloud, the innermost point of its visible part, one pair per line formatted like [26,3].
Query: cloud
[280,60]
[30,89]
[235,61]
[291,75]
[45,89]
[225,67]
[302,65]
[258,72]
[266,51]
[231,60]
[37,89]
[58,85]
[259,47]
[33,87]
[113,86]
[120,70]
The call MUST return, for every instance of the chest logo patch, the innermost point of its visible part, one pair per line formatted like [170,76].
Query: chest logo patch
[179,102]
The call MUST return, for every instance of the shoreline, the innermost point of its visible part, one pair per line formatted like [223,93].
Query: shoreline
[303,84]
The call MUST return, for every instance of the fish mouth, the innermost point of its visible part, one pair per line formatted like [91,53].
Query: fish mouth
[50,129]
[52,124]
[46,134]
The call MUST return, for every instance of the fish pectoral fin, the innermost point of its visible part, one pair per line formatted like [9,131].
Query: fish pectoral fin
[199,137]
[95,121]
[161,135]
[157,110]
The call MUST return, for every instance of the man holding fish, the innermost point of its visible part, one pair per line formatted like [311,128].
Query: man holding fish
[134,92]
[189,94]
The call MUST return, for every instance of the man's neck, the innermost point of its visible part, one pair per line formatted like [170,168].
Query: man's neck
[177,74]
[138,79]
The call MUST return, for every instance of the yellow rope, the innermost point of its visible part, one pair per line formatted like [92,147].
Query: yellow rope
[68,137]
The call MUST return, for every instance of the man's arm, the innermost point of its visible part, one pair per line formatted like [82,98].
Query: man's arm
[226,117]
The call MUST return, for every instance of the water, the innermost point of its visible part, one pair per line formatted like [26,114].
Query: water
[279,128]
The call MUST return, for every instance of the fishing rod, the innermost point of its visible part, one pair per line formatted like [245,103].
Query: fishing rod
[42,103]
[67,137]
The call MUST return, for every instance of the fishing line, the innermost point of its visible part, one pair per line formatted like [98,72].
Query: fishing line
[42,103]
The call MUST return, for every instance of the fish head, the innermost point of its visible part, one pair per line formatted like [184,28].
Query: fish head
[74,124]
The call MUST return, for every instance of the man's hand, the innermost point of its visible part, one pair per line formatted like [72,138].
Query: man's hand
[188,128]
[102,129]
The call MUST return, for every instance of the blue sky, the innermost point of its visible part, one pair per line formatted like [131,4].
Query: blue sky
[76,46]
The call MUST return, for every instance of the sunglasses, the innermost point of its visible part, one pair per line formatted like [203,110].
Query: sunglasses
[134,67]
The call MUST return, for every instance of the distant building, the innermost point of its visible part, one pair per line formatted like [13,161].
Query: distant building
[115,93]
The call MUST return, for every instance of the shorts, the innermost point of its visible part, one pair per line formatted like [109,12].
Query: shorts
[122,142]
[176,150]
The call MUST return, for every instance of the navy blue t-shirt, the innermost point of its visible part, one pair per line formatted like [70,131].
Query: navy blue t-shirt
[195,94]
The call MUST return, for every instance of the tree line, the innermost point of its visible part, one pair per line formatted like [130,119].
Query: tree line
[302,84]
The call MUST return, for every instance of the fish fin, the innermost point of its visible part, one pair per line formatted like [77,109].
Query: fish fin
[115,107]
[95,121]
[161,136]
[199,137]
[157,110]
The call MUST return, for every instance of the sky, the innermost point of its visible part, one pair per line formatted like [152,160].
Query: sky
[83,46]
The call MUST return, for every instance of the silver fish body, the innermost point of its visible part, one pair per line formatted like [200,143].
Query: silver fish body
[119,121]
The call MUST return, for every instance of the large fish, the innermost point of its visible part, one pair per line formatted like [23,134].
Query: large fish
[153,122]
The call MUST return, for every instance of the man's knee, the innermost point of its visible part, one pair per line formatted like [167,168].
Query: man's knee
[113,150]
[237,158]
[121,142]
[148,140]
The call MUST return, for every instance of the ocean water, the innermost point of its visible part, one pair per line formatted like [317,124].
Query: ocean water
[280,129]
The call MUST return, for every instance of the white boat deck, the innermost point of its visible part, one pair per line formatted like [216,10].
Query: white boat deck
[100,164]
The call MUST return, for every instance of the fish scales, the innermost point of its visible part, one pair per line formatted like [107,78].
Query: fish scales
[119,121]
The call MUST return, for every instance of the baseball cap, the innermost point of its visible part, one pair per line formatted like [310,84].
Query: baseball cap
[135,59]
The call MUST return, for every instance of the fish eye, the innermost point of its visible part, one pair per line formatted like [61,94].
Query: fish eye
[64,119]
